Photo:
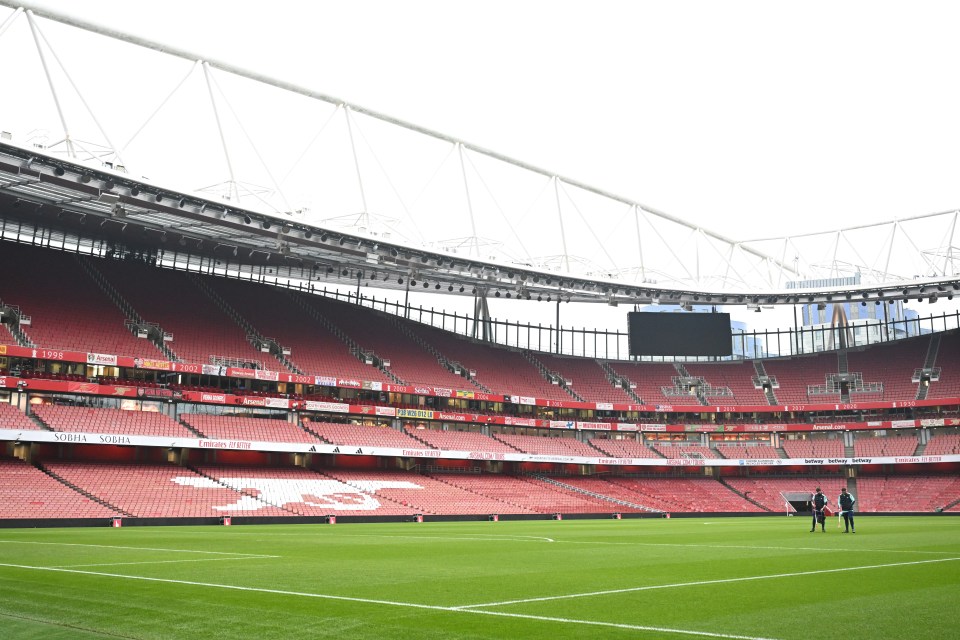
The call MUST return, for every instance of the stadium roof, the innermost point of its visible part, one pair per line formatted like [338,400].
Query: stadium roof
[387,198]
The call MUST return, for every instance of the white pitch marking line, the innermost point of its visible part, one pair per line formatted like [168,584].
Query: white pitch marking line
[111,546]
[395,604]
[743,546]
[700,583]
[119,564]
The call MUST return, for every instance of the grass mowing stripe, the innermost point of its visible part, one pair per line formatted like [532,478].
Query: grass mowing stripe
[394,604]
[62,625]
[113,546]
[120,564]
[698,583]
[744,546]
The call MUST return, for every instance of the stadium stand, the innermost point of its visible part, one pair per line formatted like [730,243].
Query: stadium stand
[587,379]
[683,450]
[767,490]
[623,448]
[237,428]
[68,309]
[28,492]
[813,448]
[923,494]
[13,418]
[500,370]
[893,366]
[685,495]
[651,379]
[113,421]
[284,316]
[948,361]
[556,446]
[458,440]
[153,491]
[796,377]
[943,444]
[747,452]
[383,336]
[362,435]
[737,377]
[201,330]
[904,444]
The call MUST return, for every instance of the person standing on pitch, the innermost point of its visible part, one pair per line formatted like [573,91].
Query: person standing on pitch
[819,503]
[846,508]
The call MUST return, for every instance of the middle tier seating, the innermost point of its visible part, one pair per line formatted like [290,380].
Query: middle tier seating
[626,448]
[755,452]
[814,448]
[356,435]
[548,446]
[677,450]
[458,440]
[904,444]
[13,418]
[112,421]
[237,428]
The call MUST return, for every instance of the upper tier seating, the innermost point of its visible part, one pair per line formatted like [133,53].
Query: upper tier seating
[587,378]
[157,490]
[458,440]
[279,314]
[13,418]
[363,435]
[200,328]
[650,379]
[813,448]
[112,421]
[27,492]
[627,448]
[69,311]
[796,375]
[551,446]
[735,376]
[948,360]
[236,428]
[891,364]
[381,334]
[499,369]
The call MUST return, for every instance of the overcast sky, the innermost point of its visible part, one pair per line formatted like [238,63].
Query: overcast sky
[751,118]
[803,116]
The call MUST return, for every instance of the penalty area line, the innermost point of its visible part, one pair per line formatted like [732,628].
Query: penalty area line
[410,605]
[699,583]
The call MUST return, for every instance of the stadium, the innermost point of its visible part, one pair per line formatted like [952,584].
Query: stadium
[216,403]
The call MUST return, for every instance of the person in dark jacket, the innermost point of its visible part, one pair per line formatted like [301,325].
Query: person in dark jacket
[846,509]
[818,502]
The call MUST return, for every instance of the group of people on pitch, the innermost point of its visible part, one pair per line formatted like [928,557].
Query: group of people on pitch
[819,504]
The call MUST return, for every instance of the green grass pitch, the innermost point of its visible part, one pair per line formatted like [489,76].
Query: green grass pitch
[897,577]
